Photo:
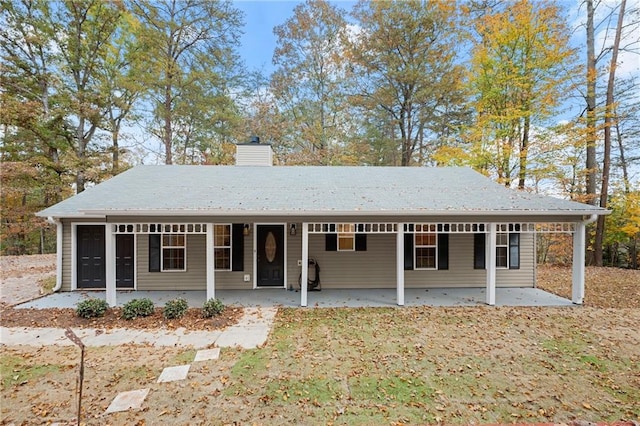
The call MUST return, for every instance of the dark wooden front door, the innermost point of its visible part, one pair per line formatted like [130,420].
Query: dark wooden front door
[124,260]
[270,252]
[90,252]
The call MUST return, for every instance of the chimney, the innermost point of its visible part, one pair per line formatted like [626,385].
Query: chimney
[254,153]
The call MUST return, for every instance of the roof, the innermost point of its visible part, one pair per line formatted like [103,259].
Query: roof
[306,191]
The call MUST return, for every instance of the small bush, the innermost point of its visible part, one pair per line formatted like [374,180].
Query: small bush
[92,308]
[137,308]
[175,308]
[212,307]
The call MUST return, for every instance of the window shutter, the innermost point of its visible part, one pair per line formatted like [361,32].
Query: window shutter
[408,252]
[361,242]
[154,252]
[331,242]
[237,247]
[514,251]
[478,251]
[443,251]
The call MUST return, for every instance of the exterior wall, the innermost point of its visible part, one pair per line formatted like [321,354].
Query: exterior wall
[373,268]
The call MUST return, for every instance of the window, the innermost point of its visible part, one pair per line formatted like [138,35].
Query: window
[174,249]
[426,248]
[507,250]
[222,247]
[346,237]
[502,250]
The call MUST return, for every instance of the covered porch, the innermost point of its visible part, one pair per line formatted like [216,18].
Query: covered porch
[328,298]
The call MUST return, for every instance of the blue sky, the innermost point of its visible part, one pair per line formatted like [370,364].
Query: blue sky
[258,41]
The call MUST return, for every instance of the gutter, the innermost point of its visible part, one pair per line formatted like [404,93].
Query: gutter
[591,219]
[58,224]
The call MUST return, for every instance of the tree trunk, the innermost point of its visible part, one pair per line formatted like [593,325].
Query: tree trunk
[524,146]
[168,136]
[591,108]
[606,162]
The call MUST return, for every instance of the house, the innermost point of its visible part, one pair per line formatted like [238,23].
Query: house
[251,226]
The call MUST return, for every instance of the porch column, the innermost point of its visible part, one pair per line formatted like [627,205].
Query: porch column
[577,287]
[211,264]
[304,278]
[490,260]
[110,264]
[400,264]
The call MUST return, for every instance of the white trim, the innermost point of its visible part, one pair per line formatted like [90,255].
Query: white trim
[400,265]
[285,234]
[162,270]
[210,263]
[490,262]
[578,270]
[305,265]
[90,214]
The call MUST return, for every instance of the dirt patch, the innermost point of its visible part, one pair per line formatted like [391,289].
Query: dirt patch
[21,277]
[604,287]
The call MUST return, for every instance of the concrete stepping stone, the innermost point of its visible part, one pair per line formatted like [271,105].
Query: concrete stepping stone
[172,374]
[128,400]
[207,354]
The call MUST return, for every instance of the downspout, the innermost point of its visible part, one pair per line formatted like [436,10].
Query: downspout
[591,219]
[58,224]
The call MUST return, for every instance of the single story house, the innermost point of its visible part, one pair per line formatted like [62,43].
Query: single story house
[251,226]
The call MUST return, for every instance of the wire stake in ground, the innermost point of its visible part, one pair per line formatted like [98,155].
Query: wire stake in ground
[75,339]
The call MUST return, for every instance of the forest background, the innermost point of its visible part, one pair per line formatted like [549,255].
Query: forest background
[90,88]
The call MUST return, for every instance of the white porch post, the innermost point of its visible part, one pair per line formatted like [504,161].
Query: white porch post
[490,263]
[577,287]
[400,264]
[110,265]
[211,264]
[304,279]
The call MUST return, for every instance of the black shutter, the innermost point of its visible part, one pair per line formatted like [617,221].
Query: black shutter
[443,251]
[331,242]
[479,251]
[514,251]
[361,242]
[237,247]
[408,252]
[154,252]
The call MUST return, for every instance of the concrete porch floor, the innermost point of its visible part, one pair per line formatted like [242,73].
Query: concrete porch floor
[328,298]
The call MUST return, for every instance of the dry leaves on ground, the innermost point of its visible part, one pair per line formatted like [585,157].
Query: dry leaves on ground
[604,287]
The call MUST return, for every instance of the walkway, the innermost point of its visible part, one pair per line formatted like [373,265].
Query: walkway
[251,331]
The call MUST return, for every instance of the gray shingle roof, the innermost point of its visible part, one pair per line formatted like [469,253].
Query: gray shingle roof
[229,190]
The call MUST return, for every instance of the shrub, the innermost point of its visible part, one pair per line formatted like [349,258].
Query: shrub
[91,308]
[212,307]
[175,308]
[137,308]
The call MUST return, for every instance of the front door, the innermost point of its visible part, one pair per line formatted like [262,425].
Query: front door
[124,260]
[270,255]
[90,252]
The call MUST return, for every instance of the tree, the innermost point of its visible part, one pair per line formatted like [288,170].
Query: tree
[517,77]
[310,76]
[404,60]
[191,67]
[608,115]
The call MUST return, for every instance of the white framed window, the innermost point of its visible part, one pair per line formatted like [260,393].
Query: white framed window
[174,252]
[426,249]
[346,237]
[222,246]
[502,250]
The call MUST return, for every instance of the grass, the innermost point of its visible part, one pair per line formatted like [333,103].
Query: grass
[47,284]
[15,370]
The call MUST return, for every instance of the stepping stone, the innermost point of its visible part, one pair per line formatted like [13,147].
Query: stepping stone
[207,354]
[128,400]
[172,374]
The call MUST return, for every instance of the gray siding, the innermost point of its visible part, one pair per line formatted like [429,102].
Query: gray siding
[373,268]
